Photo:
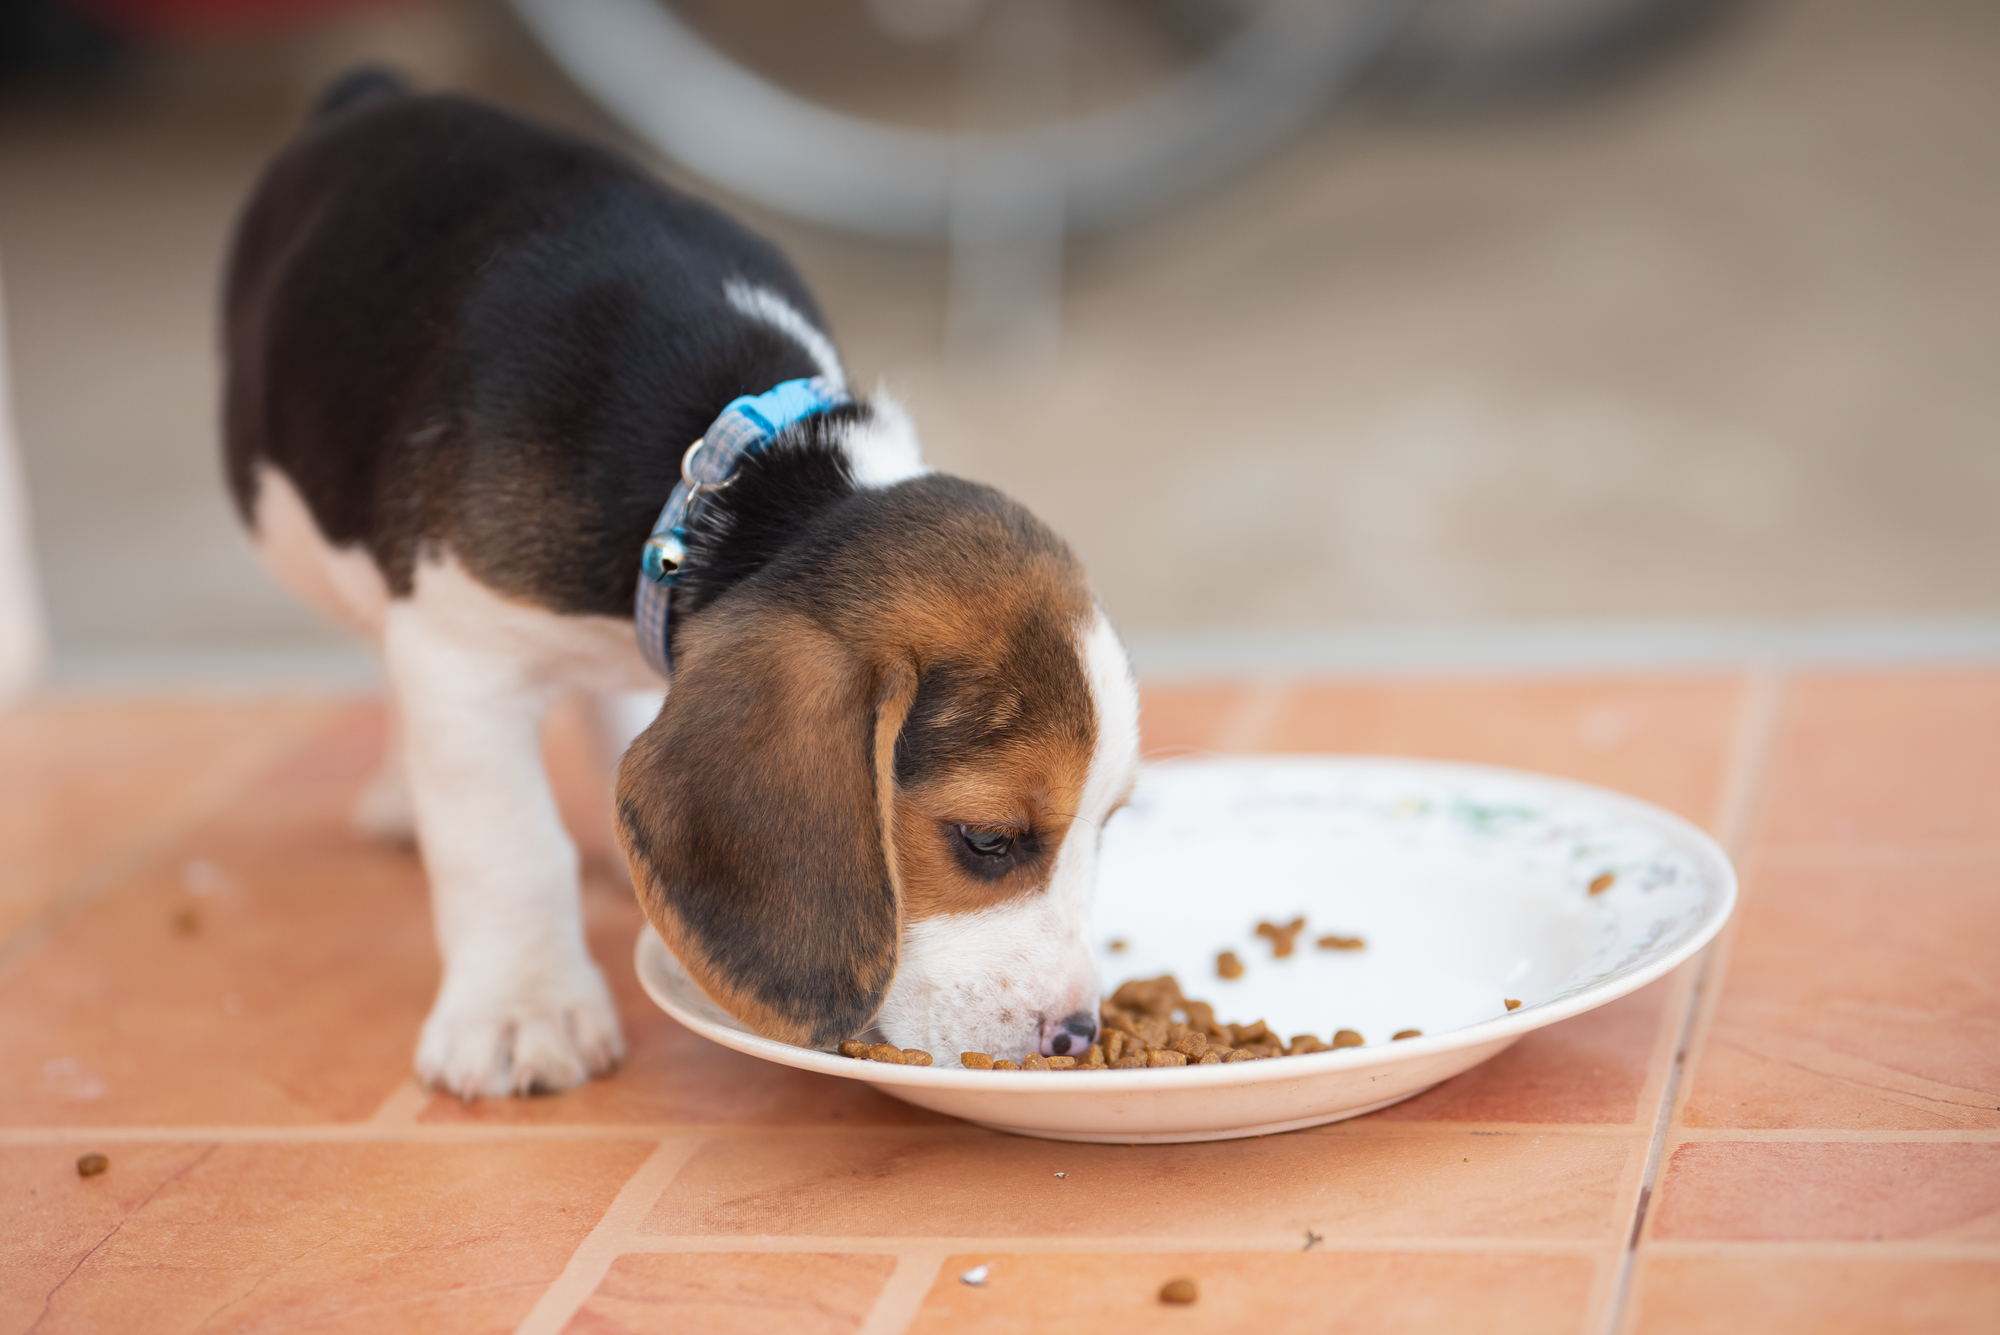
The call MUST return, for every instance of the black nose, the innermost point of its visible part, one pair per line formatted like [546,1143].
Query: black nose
[1079,1031]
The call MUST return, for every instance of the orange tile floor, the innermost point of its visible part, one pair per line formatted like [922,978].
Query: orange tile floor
[205,978]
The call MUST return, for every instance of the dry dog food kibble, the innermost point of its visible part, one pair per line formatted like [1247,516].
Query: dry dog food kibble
[1281,937]
[1145,1025]
[1228,966]
[1341,943]
[90,1165]
[1603,883]
[1512,1004]
[1407,1033]
[1180,1291]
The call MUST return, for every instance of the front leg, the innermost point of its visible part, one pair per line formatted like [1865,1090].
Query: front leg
[522,1006]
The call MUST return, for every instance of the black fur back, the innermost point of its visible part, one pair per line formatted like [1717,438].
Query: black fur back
[458,331]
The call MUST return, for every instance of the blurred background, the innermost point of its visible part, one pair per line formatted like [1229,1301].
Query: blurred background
[1336,335]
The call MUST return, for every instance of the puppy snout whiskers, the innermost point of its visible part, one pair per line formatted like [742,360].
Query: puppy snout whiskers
[1073,1033]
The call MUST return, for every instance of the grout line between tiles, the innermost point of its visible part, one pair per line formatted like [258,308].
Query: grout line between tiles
[1247,725]
[902,1296]
[402,1106]
[1119,1243]
[1756,734]
[156,835]
[611,1237]
[1909,1249]
[1684,1134]
[386,1130]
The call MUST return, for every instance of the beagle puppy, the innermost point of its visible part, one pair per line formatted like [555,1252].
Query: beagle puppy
[467,356]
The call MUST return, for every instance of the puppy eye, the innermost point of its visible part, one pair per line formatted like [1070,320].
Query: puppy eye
[987,843]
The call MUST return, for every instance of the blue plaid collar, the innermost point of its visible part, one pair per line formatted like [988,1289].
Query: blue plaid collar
[710,464]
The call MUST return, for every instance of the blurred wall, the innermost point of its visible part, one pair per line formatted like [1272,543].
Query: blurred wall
[1712,341]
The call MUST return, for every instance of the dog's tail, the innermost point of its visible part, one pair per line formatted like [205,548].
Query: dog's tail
[360,85]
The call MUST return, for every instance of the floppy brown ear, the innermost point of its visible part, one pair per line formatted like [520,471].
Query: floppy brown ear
[757,813]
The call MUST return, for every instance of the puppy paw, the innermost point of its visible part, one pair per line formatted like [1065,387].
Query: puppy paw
[490,1041]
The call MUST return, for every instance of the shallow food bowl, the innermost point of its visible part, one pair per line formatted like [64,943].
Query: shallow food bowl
[1470,887]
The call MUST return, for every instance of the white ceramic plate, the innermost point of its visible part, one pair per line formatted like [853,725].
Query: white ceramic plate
[1470,886]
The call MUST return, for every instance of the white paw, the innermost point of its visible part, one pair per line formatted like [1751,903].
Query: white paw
[384,812]
[497,1035]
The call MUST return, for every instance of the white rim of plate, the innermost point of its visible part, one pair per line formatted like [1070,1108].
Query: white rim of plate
[1510,1026]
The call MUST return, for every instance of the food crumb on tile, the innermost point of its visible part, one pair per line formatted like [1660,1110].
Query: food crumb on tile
[1341,943]
[1511,1004]
[90,1165]
[1117,944]
[1228,966]
[1180,1291]
[1603,883]
[1406,1033]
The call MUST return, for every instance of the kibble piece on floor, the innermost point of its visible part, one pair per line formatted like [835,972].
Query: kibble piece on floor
[976,1061]
[1348,1038]
[1407,1033]
[1005,1065]
[90,1165]
[1180,1291]
[884,1052]
[916,1057]
[1228,966]
[1512,1004]
[1117,945]
[854,1047]
[1603,883]
[1342,943]
[1166,1058]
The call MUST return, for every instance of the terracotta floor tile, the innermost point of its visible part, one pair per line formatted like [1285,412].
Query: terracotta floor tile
[1887,758]
[317,1238]
[1667,740]
[746,1293]
[1842,1191]
[1381,1293]
[1858,997]
[969,1183]
[270,967]
[1175,717]
[81,780]
[1588,1070]
[671,1075]
[1795,1296]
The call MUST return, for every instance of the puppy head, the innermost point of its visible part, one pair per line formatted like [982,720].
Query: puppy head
[876,789]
